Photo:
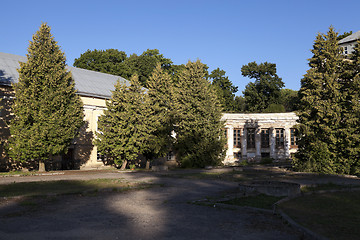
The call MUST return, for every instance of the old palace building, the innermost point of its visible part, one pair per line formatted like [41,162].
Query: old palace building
[253,136]
[249,136]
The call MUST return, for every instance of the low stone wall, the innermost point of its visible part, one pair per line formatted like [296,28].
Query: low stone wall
[272,188]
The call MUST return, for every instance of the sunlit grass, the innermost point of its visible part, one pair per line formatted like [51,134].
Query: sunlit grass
[325,187]
[334,215]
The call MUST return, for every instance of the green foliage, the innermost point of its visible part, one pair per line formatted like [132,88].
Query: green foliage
[48,113]
[240,104]
[110,61]
[344,35]
[225,89]
[289,99]
[259,95]
[198,128]
[274,108]
[160,93]
[116,62]
[125,125]
[329,111]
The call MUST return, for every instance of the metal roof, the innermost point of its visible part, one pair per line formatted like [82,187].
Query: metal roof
[350,38]
[87,83]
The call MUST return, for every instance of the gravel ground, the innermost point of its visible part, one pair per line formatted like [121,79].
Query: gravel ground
[161,212]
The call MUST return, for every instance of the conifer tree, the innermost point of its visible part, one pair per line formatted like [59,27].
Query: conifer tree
[349,146]
[124,128]
[320,113]
[198,124]
[48,113]
[160,93]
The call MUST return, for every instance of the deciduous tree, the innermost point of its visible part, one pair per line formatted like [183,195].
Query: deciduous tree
[225,89]
[265,90]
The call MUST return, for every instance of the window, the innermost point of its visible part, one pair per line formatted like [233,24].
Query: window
[251,138]
[279,137]
[265,138]
[237,138]
[170,156]
[237,155]
[100,157]
[293,138]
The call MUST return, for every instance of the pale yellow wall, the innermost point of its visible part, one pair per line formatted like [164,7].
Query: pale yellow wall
[85,151]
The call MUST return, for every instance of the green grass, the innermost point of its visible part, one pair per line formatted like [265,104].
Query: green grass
[325,187]
[17,173]
[65,187]
[259,201]
[334,215]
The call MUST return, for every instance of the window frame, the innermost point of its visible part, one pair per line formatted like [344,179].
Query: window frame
[279,137]
[250,137]
[293,138]
[265,143]
[237,138]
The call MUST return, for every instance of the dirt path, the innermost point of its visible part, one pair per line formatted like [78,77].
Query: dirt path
[161,212]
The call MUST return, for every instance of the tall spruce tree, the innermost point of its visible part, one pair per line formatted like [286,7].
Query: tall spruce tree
[125,126]
[349,146]
[48,113]
[160,93]
[320,109]
[198,124]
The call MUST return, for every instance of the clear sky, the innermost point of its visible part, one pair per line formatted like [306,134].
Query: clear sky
[225,34]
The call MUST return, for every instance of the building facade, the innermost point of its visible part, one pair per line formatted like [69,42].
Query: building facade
[349,43]
[255,136]
[94,88]
[249,136]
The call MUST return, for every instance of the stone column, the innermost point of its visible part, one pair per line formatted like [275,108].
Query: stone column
[243,144]
[287,142]
[230,144]
[257,144]
[272,143]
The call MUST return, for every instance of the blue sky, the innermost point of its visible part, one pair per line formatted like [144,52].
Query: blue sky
[224,34]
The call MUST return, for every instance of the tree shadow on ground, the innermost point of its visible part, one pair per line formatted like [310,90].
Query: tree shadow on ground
[160,212]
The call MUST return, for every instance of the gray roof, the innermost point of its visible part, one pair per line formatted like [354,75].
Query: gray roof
[350,38]
[87,83]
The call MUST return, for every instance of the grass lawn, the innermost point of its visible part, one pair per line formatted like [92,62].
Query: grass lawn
[334,215]
[66,187]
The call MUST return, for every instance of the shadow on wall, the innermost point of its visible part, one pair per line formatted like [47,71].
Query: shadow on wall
[252,136]
[80,152]
[6,100]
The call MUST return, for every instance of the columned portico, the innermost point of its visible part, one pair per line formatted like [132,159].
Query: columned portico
[257,143]
[272,143]
[244,144]
[269,135]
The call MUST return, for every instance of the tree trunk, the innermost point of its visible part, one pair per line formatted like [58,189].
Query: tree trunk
[123,166]
[41,166]
[147,164]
